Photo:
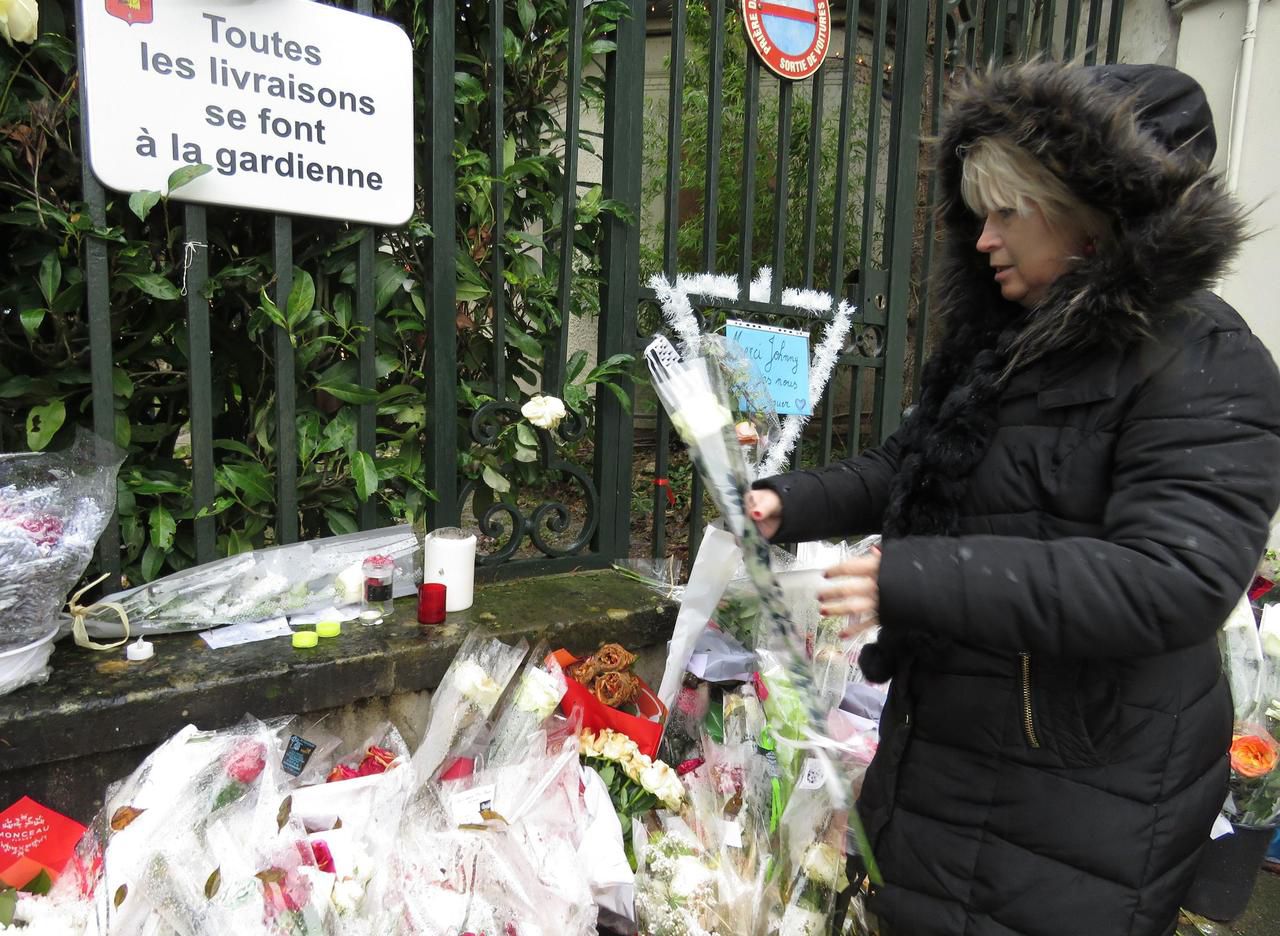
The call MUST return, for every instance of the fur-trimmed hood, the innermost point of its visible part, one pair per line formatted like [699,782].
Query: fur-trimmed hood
[1133,141]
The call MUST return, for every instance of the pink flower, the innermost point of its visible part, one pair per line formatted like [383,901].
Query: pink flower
[247,760]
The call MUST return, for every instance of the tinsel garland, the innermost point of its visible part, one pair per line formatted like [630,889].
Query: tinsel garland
[679,315]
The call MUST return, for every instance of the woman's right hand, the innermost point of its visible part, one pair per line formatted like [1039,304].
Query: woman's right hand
[765,508]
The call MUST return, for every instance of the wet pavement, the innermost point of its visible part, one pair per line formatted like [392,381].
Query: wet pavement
[1262,918]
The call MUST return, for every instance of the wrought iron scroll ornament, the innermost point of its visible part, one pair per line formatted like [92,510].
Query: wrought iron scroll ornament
[504,521]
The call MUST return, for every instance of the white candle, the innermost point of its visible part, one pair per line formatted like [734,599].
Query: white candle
[449,556]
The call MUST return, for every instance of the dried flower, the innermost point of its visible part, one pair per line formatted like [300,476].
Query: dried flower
[613,658]
[614,689]
[1254,755]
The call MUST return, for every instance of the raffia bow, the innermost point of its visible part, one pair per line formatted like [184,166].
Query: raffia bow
[79,612]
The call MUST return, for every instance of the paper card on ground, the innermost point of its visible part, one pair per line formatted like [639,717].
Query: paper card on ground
[235,634]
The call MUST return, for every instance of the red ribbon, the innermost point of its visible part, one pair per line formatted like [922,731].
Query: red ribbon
[664,483]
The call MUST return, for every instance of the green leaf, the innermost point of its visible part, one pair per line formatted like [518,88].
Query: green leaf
[121,384]
[339,432]
[39,884]
[185,175]
[365,474]
[599,47]
[154,285]
[577,361]
[31,320]
[231,445]
[495,481]
[527,15]
[152,562]
[348,392]
[271,310]
[123,429]
[301,298]
[525,435]
[509,144]
[163,527]
[141,203]
[250,480]
[50,276]
[43,423]
[8,904]
[220,504]
[340,521]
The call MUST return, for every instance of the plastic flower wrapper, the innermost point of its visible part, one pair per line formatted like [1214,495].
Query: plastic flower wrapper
[53,508]
[676,892]
[464,700]
[538,691]
[262,584]
[152,847]
[507,868]
[662,575]
[696,399]
[1253,671]
[813,889]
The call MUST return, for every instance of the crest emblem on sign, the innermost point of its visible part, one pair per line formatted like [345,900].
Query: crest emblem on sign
[131,11]
[790,36]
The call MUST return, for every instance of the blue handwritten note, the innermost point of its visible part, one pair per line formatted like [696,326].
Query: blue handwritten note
[782,357]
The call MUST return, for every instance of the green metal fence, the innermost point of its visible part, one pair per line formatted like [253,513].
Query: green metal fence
[884,79]
[874,97]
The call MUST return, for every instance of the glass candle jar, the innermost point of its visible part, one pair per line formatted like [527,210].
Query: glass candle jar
[379,576]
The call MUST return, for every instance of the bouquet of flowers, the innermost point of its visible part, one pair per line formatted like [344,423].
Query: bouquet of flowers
[466,697]
[261,584]
[53,508]
[1251,654]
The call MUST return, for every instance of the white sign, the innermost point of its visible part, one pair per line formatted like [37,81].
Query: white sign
[299,108]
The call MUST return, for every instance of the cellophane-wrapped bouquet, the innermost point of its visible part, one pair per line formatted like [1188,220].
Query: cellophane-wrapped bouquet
[213,835]
[261,584]
[1251,657]
[53,508]
[768,742]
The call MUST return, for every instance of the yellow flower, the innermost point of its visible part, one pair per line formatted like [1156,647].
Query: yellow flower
[19,20]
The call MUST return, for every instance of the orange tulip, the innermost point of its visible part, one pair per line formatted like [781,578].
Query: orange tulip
[1254,755]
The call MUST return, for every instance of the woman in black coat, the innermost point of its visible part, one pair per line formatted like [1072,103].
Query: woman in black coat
[1069,514]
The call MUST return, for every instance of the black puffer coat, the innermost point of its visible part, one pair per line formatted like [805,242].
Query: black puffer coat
[1070,513]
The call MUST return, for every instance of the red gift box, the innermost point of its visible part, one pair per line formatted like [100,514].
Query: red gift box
[34,838]
[644,729]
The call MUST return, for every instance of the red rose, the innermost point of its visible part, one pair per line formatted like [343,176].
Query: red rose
[247,760]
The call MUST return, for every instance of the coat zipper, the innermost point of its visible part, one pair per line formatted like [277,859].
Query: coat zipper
[1028,722]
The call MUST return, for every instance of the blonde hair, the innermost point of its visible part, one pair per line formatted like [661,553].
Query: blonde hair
[999,174]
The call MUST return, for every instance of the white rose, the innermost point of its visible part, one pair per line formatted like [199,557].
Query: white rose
[346,895]
[477,685]
[701,415]
[662,782]
[1269,631]
[539,693]
[617,747]
[19,20]
[545,412]
[822,864]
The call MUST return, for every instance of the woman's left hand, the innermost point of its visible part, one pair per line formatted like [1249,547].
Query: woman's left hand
[853,589]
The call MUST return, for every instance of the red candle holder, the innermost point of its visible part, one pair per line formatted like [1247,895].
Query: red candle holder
[431,603]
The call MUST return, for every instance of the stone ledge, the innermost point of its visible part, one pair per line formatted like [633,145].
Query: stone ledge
[96,705]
